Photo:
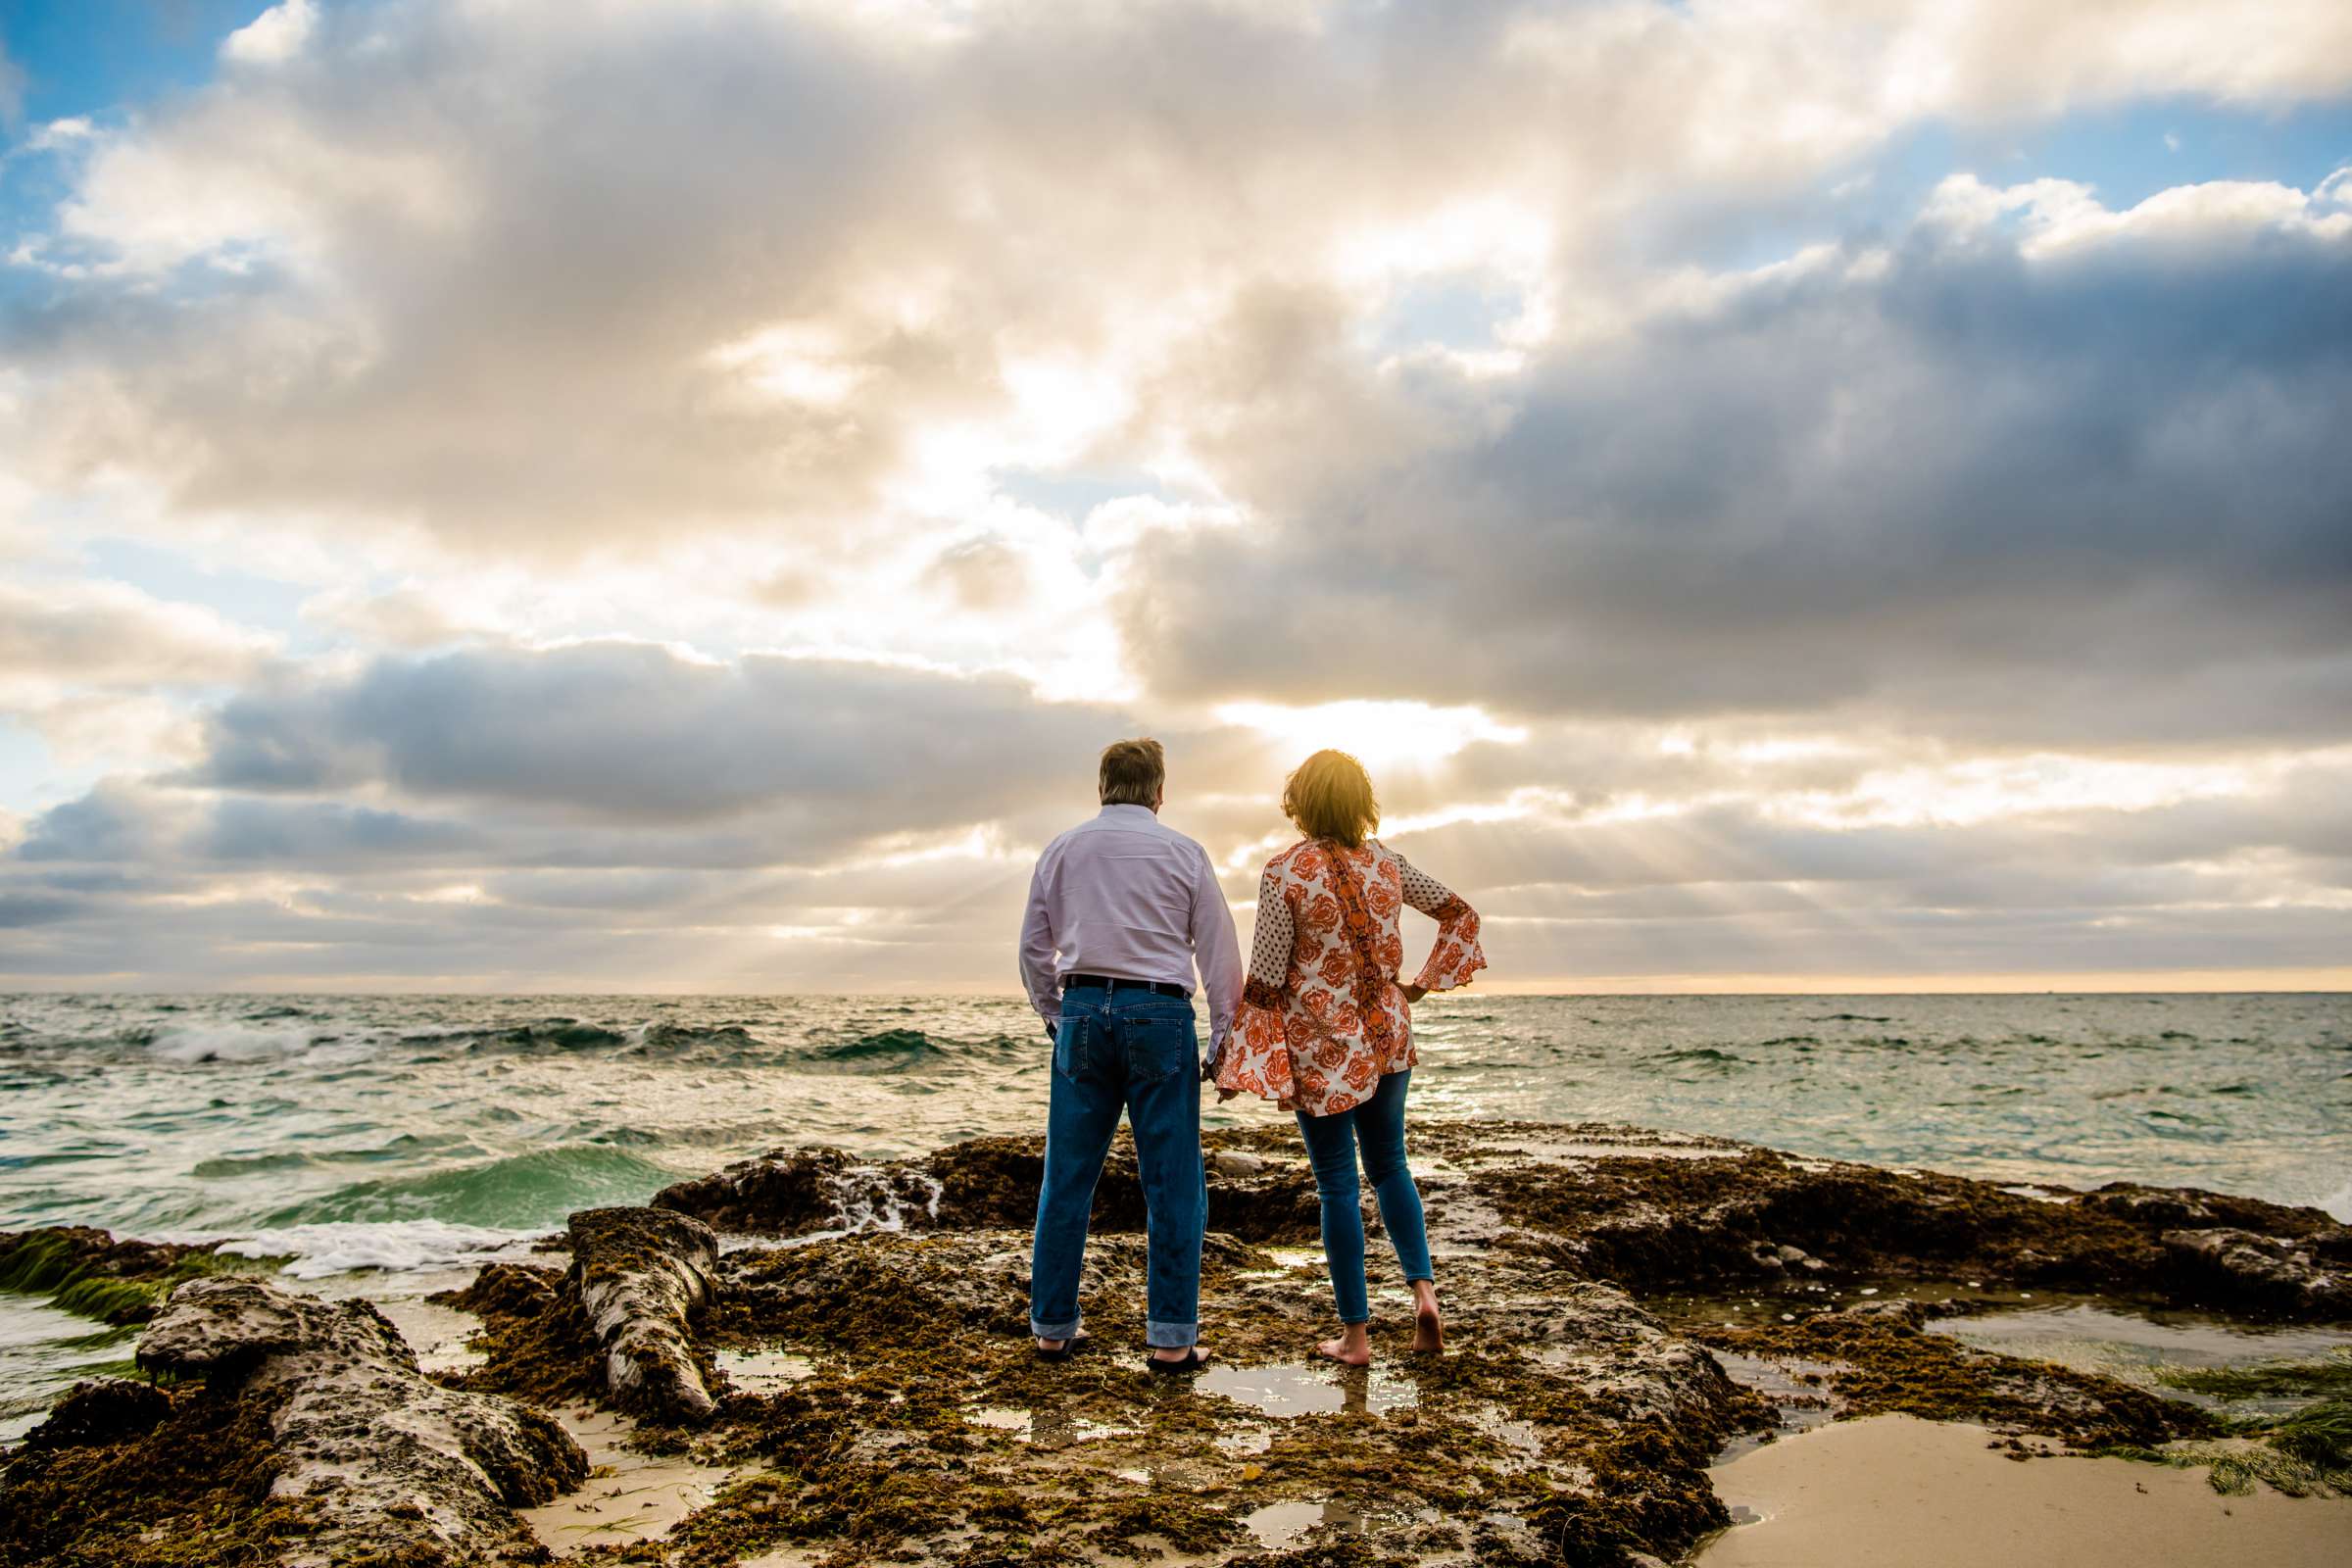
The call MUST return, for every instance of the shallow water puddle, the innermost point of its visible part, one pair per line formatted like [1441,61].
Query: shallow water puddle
[1044,1428]
[441,1336]
[1796,1404]
[1278,1524]
[1522,1438]
[628,1495]
[1287,1260]
[2091,1337]
[2039,1193]
[1294,1389]
[1170,1475]
[764,1371]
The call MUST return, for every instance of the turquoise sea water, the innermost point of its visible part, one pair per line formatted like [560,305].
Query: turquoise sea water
[403,1131]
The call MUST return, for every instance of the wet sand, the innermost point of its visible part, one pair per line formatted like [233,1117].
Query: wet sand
[1893,1491]
[629,1496]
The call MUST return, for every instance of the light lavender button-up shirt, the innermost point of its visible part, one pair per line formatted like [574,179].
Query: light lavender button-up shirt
[1125,897]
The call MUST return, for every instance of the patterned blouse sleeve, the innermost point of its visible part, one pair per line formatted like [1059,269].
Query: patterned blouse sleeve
[1259,1059]
[1270,947]
[1456,955]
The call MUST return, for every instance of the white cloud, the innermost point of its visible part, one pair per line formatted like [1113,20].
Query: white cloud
[87,632]
[274,38]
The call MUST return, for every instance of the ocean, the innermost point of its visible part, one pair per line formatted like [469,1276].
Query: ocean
[410,1131]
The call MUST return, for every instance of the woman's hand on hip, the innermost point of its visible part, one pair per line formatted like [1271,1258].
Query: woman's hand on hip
[1413,993]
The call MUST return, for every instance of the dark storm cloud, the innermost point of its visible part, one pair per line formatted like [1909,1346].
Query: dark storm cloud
[632,732]
[113,821]
[2101,497]
[324,833]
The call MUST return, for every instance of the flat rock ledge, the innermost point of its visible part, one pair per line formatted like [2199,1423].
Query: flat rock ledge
[638,1274]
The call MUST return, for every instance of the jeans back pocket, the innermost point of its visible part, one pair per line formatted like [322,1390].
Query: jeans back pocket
[1158,1046]
[1069,1045]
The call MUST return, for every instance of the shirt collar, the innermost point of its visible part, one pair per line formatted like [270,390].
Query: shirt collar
[1123,807]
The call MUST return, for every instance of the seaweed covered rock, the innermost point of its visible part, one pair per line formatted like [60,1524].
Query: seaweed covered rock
[92,1415]
[1875,1359]
[922,1428]
[786,1192]
[637,1274]
[1734,1214]
[983,1184]
[504,1289]
[2286,1277]
[382,1460]
[92,1274]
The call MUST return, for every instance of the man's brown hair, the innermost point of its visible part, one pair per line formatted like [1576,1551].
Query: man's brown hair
[1133,773]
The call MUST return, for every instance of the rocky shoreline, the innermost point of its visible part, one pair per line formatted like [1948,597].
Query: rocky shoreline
[1590,1385]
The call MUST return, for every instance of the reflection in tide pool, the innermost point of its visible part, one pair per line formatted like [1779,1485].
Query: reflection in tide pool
[2142,1348]
[1292,1388]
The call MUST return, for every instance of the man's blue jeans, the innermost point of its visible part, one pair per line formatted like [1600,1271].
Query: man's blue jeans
[1131,1050]
[1332,1145]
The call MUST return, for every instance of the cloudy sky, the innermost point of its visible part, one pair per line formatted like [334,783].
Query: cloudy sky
[672,494]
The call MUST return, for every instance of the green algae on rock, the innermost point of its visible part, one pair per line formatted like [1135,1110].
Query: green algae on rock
[92,1274]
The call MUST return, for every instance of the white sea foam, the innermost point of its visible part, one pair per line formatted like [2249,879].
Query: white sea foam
[2339,1203]
[229,1041]
[341,1247]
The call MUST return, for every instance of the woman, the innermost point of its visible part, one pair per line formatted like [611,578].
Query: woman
[1325,1029]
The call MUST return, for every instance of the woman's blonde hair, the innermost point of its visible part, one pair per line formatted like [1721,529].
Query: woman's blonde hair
[1330,797]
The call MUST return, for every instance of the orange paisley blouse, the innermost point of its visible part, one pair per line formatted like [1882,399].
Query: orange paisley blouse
[1322,1016]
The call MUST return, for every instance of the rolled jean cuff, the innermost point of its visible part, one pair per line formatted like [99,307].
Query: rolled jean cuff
[1058,1331]
[1168,1336]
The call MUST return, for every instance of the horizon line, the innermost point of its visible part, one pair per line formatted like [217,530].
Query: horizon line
[2332,984]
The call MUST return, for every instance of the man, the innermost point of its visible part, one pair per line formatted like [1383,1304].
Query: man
[1121,909]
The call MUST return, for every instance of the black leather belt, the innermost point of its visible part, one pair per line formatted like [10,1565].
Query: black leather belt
[1159,988]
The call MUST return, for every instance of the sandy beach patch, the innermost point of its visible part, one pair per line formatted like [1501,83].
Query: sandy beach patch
[629,1497]
[1894,1492]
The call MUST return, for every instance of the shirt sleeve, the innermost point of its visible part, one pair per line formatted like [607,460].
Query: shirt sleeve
[1456,955]
[1217,951]
[1270,946]
[1038,975]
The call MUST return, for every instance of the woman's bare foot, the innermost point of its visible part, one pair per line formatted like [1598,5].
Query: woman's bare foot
[1428,1325]
[1353,1347]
